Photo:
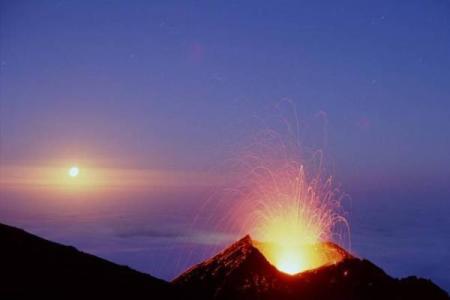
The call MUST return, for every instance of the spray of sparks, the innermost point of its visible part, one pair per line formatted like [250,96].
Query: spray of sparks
[290,212]
[280,193]
[294,215]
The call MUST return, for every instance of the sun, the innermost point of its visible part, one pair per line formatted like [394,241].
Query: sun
[74,171]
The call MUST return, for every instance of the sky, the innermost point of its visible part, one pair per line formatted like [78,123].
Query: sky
[151,98]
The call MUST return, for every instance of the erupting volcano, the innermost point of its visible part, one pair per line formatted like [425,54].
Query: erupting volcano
[36,268]
[241,271]
[293,221]
[296,220]
[291,206]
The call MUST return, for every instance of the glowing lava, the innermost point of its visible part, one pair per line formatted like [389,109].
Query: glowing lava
[294,218]
[291,204]
[294,259]
[290,236]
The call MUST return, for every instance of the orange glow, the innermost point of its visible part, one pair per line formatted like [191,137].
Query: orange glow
[290,234]
[57,177]
[293,217]
[294,259]
[49,177]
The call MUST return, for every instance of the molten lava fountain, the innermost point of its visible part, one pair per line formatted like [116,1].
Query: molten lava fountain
[294,220]
[292,215]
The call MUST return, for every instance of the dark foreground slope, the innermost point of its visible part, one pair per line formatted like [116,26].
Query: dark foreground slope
[34,268]
[242,272]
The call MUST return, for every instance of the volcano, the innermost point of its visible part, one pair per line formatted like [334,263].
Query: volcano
[35,268]
[242,272]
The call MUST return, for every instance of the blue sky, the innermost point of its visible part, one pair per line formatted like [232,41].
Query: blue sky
[174,85]
[147,79]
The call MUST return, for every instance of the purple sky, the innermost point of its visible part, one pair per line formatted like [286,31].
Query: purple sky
[139,88]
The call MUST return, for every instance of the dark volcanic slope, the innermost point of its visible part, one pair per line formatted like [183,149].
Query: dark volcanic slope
[242,272]
[34,268]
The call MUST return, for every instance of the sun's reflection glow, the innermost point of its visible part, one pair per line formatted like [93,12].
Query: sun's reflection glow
[74,171]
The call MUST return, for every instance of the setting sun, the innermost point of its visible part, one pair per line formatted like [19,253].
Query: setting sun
[74,171]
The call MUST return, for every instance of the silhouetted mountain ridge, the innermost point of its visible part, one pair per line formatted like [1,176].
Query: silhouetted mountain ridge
[32,267]
[242,272]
